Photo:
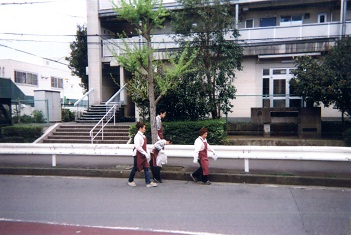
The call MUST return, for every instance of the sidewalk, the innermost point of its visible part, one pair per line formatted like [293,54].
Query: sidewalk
[333,174]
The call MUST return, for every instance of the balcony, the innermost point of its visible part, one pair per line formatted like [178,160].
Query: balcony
[249,37]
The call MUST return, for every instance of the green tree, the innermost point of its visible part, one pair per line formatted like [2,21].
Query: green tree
[78,60]
[328,79]
[309,81]
[152,79]
[208,27]
[338,62]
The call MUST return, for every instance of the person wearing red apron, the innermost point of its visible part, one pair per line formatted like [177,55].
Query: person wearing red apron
[155,168]
[159,128]
[141,157]
[200,156]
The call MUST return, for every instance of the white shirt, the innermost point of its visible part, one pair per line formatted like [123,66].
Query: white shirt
[158,125]
[138,144]
[199,146]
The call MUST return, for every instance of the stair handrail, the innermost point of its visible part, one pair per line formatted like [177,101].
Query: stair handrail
[112,109]
[115,95]
[80,100]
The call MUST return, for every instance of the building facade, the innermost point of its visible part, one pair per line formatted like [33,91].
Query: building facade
[20,81]
[273,33]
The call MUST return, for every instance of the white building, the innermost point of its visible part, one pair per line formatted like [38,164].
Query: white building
[27,78]
[272,33]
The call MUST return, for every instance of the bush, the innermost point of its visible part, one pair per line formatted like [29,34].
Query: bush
[20,134]
[185,132]
[347,136]
[67,115]
[38,116]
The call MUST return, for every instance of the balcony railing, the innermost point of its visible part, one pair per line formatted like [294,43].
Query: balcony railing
[248,36]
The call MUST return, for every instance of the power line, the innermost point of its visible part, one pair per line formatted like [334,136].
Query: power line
[28,53]
[23,3]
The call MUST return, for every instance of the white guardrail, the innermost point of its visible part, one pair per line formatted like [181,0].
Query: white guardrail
[308,153]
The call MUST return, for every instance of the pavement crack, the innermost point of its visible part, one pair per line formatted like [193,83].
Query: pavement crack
[298,209]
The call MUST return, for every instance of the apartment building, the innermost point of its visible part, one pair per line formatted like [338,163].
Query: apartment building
[273,33]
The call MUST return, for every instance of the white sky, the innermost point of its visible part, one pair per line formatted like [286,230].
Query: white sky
[52,19]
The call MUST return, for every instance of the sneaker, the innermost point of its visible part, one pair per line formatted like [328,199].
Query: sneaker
[207,183]
[132,184]
[191,175]
[152,184]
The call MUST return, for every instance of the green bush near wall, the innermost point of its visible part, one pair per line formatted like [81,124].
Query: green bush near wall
[185,133]
[20,134]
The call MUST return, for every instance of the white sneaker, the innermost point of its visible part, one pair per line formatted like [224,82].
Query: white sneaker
[132,184]
[152,184]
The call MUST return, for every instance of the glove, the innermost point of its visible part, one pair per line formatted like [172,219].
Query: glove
[214,157]
[195,160]
[148,158]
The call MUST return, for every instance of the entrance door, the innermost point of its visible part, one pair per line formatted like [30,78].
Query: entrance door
[276,89]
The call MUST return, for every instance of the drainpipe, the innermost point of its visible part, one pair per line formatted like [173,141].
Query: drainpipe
[343,8]
[236,16]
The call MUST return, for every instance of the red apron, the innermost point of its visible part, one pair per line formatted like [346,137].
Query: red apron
[204,160]
[141,160]
[154,156]
[160,132]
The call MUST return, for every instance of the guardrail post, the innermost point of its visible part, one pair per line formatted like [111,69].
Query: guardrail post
[53,160]
[247,170]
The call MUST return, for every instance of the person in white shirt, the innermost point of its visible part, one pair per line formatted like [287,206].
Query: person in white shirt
[200,156]
[141,157]
[159,128]
[158,158]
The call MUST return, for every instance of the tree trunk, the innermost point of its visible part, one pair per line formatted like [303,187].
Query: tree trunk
[151,91]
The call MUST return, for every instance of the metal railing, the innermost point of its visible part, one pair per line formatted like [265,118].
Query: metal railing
[112,105]
[76,104]
[298,153]
[111,113]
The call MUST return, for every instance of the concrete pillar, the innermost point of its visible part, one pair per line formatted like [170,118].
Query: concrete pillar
[94,52]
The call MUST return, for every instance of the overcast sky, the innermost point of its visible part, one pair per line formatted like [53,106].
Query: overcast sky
[39,27]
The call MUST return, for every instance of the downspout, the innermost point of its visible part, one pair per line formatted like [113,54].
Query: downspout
[343,8]
[236,16]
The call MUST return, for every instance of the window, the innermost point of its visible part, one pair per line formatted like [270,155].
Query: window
[249,23]
[276,91]
[56,82]
[26,78]
[267,22]
[322,18]
[291,20]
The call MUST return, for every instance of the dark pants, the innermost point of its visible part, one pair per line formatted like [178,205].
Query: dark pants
[134,170]
[199,174]
[156,171]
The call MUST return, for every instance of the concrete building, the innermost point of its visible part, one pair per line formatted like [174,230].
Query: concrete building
[272,33]
[21,81]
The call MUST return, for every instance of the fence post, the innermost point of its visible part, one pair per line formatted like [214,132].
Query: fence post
[53,160]
[247,170]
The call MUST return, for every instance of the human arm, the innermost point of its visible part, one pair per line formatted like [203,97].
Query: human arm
[198,145]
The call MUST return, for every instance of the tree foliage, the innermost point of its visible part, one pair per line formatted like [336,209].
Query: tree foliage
[328,79]
[208,27]
[152,79]
[78,60]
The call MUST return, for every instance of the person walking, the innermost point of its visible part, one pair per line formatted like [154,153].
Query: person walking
[200,156]
[158,158]
[159,128]
[141,157]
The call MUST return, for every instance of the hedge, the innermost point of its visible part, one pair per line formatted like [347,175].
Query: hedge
[185,132]
[20,134]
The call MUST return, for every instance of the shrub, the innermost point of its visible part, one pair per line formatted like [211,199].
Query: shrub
[67,115]
[21,134]
[347,136]
[185,132]
[38,116]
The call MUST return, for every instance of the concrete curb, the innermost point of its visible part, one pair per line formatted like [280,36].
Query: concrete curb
[182,175]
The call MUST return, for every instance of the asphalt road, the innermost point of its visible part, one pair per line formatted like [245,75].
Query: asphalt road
[176,207]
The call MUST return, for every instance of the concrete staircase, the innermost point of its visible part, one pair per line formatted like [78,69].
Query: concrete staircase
[79,133]
[94,114]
